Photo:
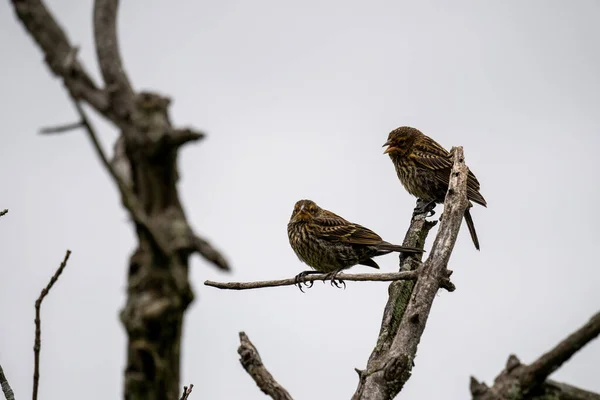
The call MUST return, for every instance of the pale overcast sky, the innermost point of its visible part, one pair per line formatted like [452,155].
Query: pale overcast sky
[297,99]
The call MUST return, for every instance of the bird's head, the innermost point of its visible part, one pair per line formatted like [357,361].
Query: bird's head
[305,210]
[400,140]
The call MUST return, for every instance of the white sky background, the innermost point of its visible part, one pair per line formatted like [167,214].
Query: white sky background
[297,99]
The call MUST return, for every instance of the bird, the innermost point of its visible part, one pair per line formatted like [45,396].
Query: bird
[329,244]
[423,167]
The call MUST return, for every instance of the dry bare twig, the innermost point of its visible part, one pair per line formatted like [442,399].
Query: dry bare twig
[3,212]
[187,390]
[252,363]
[381,277]
[37,346]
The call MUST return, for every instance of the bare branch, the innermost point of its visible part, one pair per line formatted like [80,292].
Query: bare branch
[562,391]
[182,136]
[6,389]
[186,392]
[109,57]
[530,381]
[388,370]
[252,363]
[38,324]
[61,128]
[206,250]
[537,372]
[3,212]
[58,51]
[382,277]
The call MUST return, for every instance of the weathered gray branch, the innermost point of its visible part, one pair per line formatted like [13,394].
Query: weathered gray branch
[6,389]
[53,41]
[381,277]
[109,58]
[37,346]
[391,363]
[518,381]
[252,363]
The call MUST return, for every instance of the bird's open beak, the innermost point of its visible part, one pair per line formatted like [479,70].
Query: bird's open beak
[389,144]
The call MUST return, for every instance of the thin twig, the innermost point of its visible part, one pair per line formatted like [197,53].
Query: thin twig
[252,363]
[61,128]
[38,324]
[187,390]
[6,389]
[109,56]
[383,277]
[206,250]
[3,212]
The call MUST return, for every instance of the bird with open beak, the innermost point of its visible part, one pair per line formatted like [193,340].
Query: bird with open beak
[423,167]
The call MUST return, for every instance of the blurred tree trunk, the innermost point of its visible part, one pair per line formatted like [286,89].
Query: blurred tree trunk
[144,169]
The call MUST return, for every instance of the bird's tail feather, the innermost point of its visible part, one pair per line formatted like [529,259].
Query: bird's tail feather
[392,247]
[471,227]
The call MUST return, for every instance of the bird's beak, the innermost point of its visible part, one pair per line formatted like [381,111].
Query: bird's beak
[302,214]
[390,147]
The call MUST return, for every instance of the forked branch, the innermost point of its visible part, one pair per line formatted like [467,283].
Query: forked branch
[530,381]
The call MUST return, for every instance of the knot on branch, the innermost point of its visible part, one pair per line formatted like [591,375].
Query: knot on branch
[445,283]
[152,102]
[477,388]
[398,369]
[512,363]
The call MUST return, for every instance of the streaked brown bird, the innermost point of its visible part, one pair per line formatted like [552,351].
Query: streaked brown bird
[423,167]
[329,244]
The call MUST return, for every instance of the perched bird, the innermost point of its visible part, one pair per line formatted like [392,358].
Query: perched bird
[329,244]
[423,167]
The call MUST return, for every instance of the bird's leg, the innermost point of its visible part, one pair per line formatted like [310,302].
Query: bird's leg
[299,279]
[424,207]
[334,281]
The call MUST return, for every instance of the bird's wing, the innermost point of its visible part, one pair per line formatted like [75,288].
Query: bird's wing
[336,229]
[429,154]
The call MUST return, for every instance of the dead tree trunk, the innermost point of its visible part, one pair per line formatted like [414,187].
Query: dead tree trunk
[145,171]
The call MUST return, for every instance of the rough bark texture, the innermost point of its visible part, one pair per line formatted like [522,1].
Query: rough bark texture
[252,363]
[158,290]
[399,292]
[391,362]
[524,382]
[6,389]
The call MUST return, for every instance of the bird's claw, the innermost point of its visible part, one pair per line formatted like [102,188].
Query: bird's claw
[338,283]
[299,280]
[425,208]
